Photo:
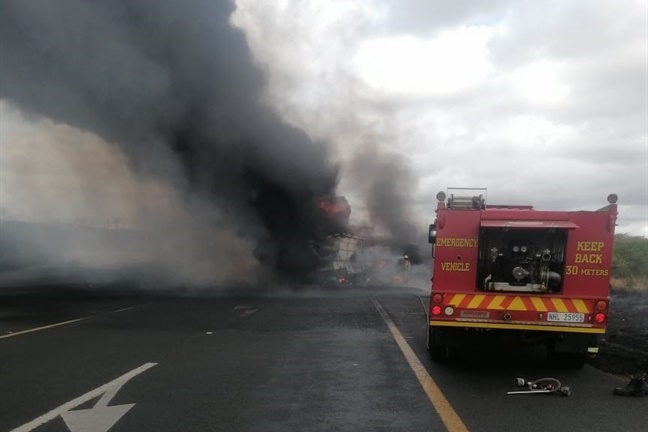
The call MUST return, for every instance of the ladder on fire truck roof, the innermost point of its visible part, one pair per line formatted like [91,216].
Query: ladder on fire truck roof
[467,198]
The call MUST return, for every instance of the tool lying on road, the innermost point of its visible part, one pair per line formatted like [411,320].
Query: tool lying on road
[542,385]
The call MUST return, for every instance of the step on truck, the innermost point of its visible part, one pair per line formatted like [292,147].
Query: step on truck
[510,270]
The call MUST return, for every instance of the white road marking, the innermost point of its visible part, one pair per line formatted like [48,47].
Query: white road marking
[49,326]
[98,419]
[104,414]
[126,309]
[22,332]
[248,312]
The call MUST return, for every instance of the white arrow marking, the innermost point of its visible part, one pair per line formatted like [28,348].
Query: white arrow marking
[97,419]
[248,312]
[104,414]
[100,418]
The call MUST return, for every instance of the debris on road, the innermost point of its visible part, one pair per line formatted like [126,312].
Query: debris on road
[541,386]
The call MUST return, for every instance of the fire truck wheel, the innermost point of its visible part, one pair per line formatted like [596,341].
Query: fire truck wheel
[438,349]
[438,353]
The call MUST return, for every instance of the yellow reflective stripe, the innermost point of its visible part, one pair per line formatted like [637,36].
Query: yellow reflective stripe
[517,305]
[496,303]
[538,304]
[476,301]
[456,299]
[581,306]
[539,327]
[559,304]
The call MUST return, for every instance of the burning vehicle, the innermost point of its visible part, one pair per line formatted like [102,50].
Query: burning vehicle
[345,257]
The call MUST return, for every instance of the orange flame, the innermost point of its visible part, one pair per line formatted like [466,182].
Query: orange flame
[334,208]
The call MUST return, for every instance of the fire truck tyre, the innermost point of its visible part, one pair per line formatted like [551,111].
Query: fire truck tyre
[438,347]
[439,353]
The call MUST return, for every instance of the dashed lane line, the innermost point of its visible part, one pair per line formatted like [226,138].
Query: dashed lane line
[448,415]
[49,326]
[18,333]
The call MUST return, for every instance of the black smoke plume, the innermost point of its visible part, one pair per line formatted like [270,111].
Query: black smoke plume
[173,85]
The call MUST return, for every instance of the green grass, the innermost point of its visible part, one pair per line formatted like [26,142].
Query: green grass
[630,263]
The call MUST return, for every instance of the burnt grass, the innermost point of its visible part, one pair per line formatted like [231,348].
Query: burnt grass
[623,350]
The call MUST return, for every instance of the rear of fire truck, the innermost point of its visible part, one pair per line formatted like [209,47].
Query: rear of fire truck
[536,276]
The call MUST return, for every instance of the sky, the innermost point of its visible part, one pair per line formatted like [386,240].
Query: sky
[542,103]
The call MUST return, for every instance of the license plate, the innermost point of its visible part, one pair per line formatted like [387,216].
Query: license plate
[567,317]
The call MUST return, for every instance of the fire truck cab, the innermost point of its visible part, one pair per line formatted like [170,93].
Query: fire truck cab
[543,276]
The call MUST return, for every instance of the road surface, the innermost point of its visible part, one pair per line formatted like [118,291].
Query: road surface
[301,360]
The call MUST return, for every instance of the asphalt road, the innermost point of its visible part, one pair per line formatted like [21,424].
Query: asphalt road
[306,360]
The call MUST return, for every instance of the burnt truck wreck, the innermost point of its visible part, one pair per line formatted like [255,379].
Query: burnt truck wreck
[337,254]
[298,250]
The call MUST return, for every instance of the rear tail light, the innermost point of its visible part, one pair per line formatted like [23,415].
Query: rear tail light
[449,310]
[599,318]
[436,310]
[436,298]
[601,305]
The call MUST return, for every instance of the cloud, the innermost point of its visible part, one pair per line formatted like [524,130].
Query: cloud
[452,62]
[543,103]
[427,17]
[540,83]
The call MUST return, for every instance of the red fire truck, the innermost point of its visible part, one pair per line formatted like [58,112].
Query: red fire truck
[540,276]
